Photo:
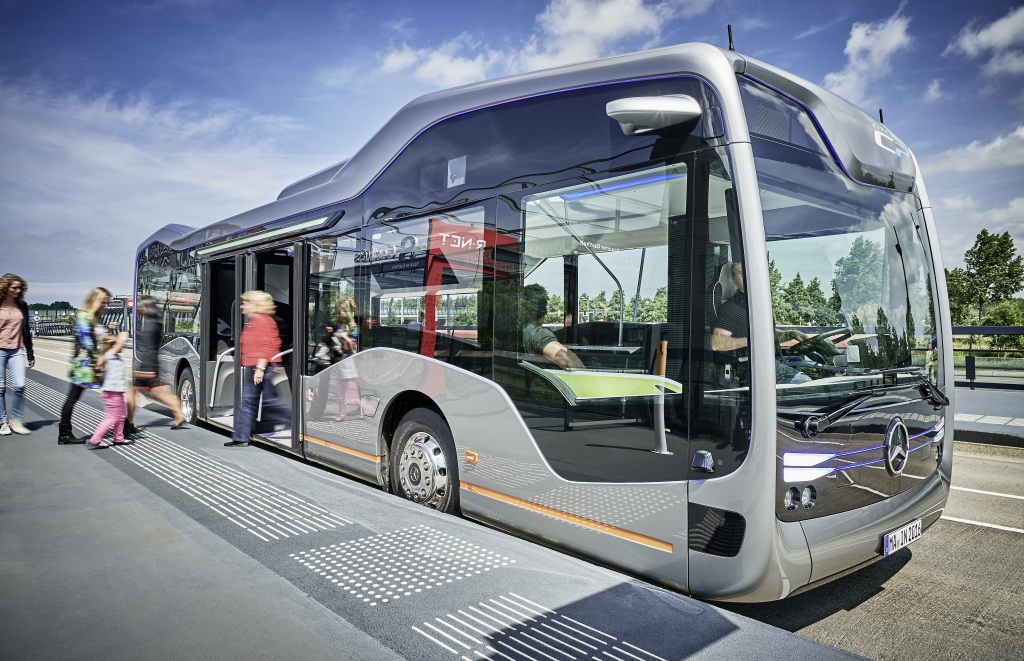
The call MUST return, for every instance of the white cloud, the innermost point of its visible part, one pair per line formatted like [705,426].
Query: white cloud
[1008,62]
[956,203]
[815,29]
[403,27]
[84,179]
[456,62]
[998,38]
[1002,152]
[934,91]
[869,51]
[961,218]
[566,31]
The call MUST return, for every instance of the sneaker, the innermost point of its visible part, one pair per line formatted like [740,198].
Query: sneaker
[18,428]
[97,446]
[236,444]
[5,429]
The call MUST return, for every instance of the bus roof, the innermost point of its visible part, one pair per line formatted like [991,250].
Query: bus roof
[849,129]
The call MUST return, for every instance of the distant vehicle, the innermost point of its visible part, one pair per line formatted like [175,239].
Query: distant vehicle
[560,289]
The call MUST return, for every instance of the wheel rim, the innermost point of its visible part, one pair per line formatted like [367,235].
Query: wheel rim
[187,402]
[423,472]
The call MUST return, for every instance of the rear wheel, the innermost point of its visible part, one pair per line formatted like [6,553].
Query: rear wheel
[423,462]
[186,391]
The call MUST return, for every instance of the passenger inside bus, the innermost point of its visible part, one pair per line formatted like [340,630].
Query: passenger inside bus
[730,332]
[540,340]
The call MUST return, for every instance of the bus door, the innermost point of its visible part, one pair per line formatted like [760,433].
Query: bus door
[272,271]
[220,338]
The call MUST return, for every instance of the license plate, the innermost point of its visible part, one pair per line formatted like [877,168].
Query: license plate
[900,537]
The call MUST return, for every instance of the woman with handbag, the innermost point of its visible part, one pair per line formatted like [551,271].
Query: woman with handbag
[88,331]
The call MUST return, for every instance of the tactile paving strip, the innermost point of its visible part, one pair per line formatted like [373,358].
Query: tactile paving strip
[514,627]
[259,508]
[404,563]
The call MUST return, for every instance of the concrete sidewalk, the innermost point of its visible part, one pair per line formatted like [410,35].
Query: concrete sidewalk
[992,417]
[153,551]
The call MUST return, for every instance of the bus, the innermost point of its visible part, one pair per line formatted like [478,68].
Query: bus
[679,312]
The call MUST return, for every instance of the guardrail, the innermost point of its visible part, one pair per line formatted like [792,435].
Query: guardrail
[988,368]
[51,328]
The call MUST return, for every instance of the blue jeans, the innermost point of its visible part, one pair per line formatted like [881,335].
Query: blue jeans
[16,361]
[273,408]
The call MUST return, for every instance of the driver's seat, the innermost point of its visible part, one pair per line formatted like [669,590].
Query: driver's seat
[725,288]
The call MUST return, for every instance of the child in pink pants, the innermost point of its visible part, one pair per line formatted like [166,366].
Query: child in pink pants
[113,390]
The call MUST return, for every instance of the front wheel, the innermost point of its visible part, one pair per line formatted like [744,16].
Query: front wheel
[423,462]
[186,391]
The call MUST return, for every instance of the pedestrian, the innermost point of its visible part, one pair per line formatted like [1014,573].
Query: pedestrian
[261,342]
[109,365]
[88,331]
[148,337]
[15,351]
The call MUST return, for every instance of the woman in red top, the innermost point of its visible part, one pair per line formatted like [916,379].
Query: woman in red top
[261,342]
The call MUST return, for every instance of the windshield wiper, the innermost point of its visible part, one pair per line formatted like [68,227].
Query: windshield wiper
[928,389]
[812,424]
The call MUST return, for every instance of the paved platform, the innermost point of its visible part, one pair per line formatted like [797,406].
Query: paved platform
[993,417]
[177,547]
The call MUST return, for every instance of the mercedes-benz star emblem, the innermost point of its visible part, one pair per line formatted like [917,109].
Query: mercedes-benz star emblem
[897,447]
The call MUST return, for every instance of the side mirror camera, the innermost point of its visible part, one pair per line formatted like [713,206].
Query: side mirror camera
[646,114]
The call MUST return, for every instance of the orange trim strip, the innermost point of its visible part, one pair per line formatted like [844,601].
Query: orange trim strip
[571,518]
[335,446]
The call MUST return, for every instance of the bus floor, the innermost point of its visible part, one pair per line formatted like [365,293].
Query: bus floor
[178,547]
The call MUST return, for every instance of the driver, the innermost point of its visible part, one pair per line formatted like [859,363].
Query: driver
[731,327]
[540,340]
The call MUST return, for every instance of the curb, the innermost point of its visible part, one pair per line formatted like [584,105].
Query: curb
[988,438]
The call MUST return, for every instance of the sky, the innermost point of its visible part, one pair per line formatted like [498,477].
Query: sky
[119,117]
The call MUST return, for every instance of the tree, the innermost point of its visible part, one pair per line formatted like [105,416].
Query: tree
[959,296]
[994,271]
[858,276]
[1006,313]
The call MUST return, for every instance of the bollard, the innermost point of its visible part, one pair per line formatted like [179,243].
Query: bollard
[969,368]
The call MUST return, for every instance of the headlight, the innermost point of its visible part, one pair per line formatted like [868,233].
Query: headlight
[791,499]
[808,496]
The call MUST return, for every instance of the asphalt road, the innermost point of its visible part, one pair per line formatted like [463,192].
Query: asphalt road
[958,593]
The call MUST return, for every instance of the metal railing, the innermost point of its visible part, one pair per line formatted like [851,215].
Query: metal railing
[980,367]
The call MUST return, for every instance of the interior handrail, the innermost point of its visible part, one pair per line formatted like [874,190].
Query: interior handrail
[216,371]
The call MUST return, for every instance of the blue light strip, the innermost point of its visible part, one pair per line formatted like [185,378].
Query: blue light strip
[803,466]
[625,184]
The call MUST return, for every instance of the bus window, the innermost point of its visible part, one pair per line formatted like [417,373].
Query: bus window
[602,336]
[332,307]
[424,279]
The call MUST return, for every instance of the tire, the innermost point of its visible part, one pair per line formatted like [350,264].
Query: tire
[424,466]
[186,391]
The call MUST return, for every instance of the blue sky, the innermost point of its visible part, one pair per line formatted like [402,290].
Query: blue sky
[119,117]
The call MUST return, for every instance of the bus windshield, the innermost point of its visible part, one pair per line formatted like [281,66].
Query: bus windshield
[850,272]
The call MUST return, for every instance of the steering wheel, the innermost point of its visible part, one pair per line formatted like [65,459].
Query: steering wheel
[820,348]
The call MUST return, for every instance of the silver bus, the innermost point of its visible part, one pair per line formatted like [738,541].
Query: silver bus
[679,312]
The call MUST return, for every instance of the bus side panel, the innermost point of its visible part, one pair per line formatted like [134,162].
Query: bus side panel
[350,444]
[506,481]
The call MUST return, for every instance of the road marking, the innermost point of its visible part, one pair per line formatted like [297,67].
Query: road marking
[989,493]
[986,525]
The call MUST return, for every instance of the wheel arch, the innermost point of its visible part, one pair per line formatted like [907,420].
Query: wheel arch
[400,405]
